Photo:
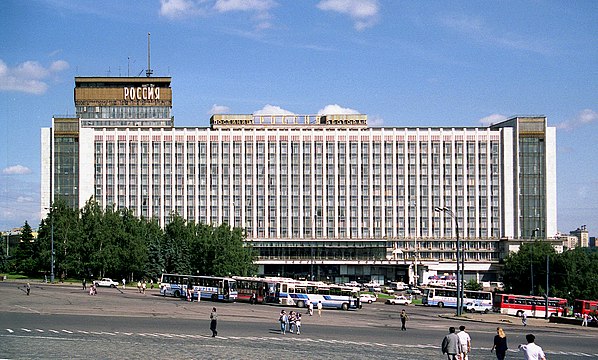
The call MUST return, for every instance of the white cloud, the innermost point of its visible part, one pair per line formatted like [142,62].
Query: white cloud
[584,117]
[476,29]
[272,110]
[28,76]
[219,109]
[375,121]
[363,12]
[492,119]
[16,170]
[336,109]
[176,9]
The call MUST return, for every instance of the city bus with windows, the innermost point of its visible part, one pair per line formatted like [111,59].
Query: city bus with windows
[301,293]
[585,307]
[213,288]
[263,288]
[447,297]
[532,306]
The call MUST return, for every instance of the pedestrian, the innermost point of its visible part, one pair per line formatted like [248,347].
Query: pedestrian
[500,344]
[465,341]
[320,308]
[152,284]
[298,323]
[531,351]
[84,284]
[584,321]
[292,319]
[139,286]
[214,322]
[451,345]
[28,289]
[253,299]
[124,283]
[310,309]
[283,319]
[143,286]
[524,319]
[404,318]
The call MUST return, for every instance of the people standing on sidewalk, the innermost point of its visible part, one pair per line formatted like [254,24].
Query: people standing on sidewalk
[214,322]
[404,318]
[465,341]
[584,321]
[531,351]
[524,319]
[500,344]
[139,286]
[451,345]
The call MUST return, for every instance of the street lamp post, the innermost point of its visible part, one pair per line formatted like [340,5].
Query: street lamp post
[531,263]
[459,285]
[52,246]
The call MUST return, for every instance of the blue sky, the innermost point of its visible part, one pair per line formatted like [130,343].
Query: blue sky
[403,63]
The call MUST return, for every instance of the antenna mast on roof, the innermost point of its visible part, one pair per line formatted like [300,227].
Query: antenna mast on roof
[149,71]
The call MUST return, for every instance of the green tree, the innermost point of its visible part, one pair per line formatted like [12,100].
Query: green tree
[517,267]
[473,285]
[574,274]
[26,256]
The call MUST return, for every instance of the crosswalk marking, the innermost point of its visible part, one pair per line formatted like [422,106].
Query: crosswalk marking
[67,331]
[10,330]
[39,330]
[26,330]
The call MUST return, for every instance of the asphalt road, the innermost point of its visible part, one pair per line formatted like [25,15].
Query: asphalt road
[57,322]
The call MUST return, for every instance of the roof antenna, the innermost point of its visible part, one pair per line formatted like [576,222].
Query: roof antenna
[149,71]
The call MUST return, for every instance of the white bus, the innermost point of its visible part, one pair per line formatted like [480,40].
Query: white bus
[443,297]
[213,288]
[301,293]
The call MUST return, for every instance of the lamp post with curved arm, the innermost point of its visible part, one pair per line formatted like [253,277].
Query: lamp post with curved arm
[459,285]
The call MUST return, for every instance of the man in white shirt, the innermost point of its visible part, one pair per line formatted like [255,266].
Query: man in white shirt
[465,341]
[531,351]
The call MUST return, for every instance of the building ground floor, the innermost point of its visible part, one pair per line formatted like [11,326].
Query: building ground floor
[378,271]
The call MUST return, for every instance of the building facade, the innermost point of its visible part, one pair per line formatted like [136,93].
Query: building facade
[319,196]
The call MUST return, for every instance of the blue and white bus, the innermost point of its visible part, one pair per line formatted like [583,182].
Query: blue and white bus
[301,293]
[213,288]
[445,297]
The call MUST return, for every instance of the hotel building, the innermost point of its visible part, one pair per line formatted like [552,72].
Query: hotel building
[320,196]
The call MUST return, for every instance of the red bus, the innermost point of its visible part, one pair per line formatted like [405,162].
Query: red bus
[263,288]
[533,306]
[585,306]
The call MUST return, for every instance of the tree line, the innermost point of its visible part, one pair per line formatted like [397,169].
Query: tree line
[94,242]
[572,274]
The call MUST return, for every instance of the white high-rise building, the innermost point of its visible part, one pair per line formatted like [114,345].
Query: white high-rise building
[322,196]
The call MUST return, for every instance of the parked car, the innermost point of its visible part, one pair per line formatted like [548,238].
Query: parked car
[398,300]
[367,298]
[413,291]
[353,284]
[106,282]
[373,286]
[476,307]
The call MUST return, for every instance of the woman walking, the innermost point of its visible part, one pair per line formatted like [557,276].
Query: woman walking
[500,344]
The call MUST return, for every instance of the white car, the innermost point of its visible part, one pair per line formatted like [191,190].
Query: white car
[106,282]
[476,307]
[367,298]
[399,300]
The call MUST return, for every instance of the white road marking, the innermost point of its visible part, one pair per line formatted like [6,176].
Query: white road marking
[67,331]
[26,330]
[39,330]
[10,330]
[54,331]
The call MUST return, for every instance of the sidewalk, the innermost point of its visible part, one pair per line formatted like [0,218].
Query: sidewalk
[494,318]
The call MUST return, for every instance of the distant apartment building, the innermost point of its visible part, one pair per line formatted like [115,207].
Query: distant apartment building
[582,235]
[320,196]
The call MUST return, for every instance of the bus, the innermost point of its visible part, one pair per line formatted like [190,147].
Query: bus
[533,306]
[585,307]
[213,288]
[263,288]
[301,293]
[445,297]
